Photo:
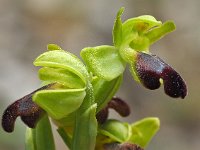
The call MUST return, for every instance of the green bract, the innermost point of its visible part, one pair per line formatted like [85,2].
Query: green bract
[116,130]
[144,130]
[140,132]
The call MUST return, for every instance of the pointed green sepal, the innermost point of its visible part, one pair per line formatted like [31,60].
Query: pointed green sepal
[117,29]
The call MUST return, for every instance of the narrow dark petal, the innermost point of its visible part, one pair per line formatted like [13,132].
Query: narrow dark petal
[29,111]
[102,115]
[119,106]
[150,69]
[124,146]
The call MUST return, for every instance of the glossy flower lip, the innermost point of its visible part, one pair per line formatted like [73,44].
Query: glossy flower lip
[150,70]
[123,146]
[29,112]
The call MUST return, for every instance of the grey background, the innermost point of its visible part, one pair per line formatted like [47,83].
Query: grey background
[27,26]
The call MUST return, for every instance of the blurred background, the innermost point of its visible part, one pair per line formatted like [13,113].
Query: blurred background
[27,26]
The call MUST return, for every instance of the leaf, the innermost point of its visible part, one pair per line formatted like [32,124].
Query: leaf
[117,29]
[144,130]
[59,103]
[105,90]
[62,59]
[85,131]
[62,76]
[40,138]
[103,61]
[116,130]
[159,32]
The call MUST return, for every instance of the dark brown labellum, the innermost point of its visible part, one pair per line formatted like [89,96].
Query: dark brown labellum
[150,69]
[174,85]
[29,112]
[124,146]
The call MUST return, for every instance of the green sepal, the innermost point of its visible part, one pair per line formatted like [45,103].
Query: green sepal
[63,59]
[158,32]
[85,130]
[104,61]
[144,130]
[40,138]
[52,47]
[116,130]
[62,76]
[117,29]
[61,102]
[105,90]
